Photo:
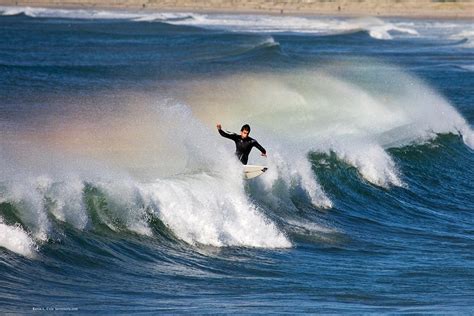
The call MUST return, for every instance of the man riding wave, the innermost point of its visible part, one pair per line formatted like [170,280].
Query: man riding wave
[243,143]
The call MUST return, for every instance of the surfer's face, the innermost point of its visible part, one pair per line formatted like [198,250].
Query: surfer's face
[244,133]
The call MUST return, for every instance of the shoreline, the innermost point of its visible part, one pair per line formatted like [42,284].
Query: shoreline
[436,10]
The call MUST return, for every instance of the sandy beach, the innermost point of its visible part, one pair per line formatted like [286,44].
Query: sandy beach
[403,8]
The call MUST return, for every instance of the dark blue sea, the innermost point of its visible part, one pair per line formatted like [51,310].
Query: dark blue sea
[118,196]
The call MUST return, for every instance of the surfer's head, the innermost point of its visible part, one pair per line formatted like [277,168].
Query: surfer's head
[245,131]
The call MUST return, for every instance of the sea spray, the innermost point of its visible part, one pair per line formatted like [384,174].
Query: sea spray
[357,115]
[16,239]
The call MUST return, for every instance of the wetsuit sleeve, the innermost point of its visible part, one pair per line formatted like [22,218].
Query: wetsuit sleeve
[227,135]
[256,144]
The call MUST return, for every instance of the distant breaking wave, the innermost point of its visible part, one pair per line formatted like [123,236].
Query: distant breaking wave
[375,27]
[380,29]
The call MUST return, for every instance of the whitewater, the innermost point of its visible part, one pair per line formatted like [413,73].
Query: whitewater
[113,175]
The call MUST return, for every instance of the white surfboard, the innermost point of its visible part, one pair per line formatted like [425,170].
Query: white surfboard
[252,171]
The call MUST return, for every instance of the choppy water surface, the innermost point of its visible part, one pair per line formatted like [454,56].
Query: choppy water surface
[117,195]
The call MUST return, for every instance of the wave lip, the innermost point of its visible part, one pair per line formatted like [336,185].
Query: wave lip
[15,239]
[379,29]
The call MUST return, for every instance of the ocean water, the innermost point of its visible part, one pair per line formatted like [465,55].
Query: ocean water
[117,194]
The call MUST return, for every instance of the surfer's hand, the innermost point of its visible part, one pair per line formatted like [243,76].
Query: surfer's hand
[219,126]
[264,155]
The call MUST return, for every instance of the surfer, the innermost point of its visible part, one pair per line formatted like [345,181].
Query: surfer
[243,142]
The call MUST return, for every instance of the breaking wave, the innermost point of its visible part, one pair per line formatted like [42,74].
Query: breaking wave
[160,159]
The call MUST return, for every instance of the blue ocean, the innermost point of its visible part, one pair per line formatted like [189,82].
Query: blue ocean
[118,195]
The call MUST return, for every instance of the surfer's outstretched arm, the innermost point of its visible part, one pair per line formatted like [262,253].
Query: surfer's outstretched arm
[259,147]
[224,134]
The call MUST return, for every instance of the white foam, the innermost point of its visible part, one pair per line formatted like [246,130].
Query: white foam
[371,160]
[15,239]
[202,209]
[295,170]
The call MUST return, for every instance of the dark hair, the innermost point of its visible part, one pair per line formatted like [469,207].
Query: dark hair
[245,127]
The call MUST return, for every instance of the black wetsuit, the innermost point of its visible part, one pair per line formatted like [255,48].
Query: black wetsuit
[243,146]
